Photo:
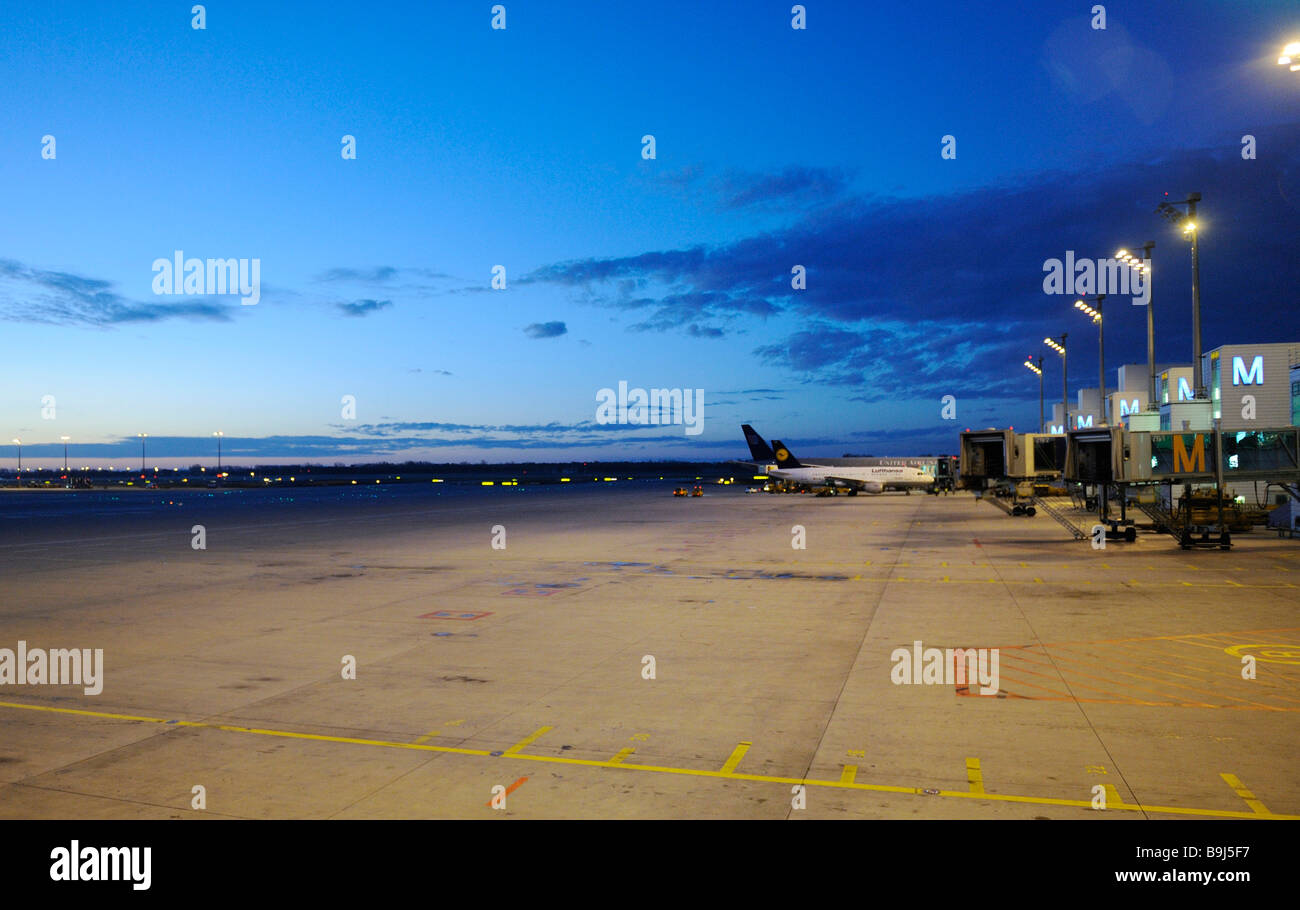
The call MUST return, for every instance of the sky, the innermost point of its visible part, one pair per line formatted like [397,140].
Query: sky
[378,335]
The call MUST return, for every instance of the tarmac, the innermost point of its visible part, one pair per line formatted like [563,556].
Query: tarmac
[621,653]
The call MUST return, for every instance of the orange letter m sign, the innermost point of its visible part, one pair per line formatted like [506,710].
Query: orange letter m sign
[1193,463]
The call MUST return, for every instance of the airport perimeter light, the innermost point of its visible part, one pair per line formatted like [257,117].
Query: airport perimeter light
[1141,263]
[1059,347]
[1291,56]
[1029,362]
[1169,210]
[218,434]
[1082,305]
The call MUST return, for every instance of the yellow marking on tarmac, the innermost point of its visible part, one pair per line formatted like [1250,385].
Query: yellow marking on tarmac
[1024,565]
[528,740]
[660,769]
[1112,798]
[974,776]
[428,736]
[1256,806]
[622,754]
[945,578]
[943,565]
[848,774]
[901,579]
[736,755]
[857,578]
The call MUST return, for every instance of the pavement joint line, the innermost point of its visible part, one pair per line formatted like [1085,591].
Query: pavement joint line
[1256,806]
[691,772]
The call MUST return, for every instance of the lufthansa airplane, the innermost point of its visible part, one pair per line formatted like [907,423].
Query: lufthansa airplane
[852,478]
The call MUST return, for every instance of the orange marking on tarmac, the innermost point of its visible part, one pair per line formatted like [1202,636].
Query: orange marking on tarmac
[510,789]
[1093,660]
[1075,684]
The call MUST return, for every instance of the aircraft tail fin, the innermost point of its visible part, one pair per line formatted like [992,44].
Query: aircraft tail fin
[758,447]
[784,459]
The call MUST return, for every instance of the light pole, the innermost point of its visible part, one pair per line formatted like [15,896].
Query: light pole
[143,437]
[1290,53]
[1142,265]
[18,442]
[1059,347]
[218,434]
[1082,306]
[1029,362]
[1170,211]
[65,453]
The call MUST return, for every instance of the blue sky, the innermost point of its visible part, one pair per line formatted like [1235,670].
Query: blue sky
[522,147]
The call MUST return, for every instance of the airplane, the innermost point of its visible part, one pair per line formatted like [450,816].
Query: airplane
[864,478]
[762,453]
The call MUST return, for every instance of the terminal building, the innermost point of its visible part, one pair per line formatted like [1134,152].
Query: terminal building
[1247,386]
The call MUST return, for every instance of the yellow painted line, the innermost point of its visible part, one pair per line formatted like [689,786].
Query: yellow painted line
[428,736]
[151,720]
[1256,806]
[900,579]
[857,578]
[849,773]
[1112,798]
[622,754]
[974,776]
[736,755]
[660,769]
[528,740]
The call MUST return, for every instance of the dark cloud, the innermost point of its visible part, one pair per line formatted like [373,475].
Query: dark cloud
[918,295]
[545,330]
[363,307]
[30,294]
[799,186]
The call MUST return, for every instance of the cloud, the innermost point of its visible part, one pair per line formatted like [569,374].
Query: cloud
[363,307]
[374,275]
[545,330]
[910,296]
[800,186]
[29,294]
